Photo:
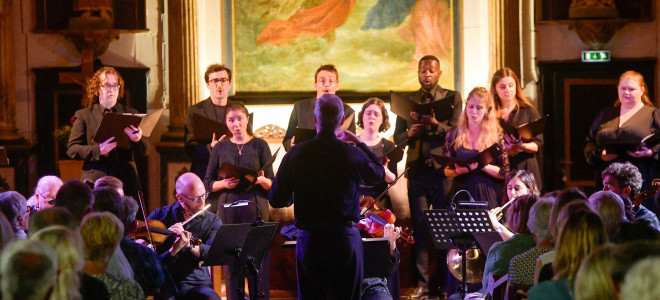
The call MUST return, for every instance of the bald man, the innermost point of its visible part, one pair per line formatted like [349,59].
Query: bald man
[193,281]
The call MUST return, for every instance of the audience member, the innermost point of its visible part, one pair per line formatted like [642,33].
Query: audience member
[27,270]
[14,206]
[610,208]
[107,199]
[110,182]
[75,196]
[51,216]
[634,231]
[71,283]
[44,192]
[641,281]
[521,268]
[6,230]
[101,233]
[580,233]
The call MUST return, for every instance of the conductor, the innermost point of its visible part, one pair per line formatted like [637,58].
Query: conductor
[322,175]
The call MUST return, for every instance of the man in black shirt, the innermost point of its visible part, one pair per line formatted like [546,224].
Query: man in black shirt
[218,81]
[193,281]
[323,176]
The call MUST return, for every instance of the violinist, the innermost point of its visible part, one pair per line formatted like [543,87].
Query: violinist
[193,281]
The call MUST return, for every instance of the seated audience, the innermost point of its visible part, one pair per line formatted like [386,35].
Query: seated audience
[71,283]
[500,253]
[76,197]
[14,206]
[107,199]
[634,231]
[51,216]
[521,268]
[625,179]
[44,192]
[641,281]
[580,232]
[101,234]
[27,270]
[6,230]
[610,208]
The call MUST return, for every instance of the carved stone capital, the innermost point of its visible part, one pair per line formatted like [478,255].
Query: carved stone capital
[97,40]
[596,33]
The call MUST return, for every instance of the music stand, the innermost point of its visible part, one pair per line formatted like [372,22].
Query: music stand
[255,248]
[451,228]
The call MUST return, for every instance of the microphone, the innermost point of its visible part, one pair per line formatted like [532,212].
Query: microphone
[258,220]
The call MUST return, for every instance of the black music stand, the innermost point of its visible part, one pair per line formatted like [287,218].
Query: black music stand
[451,228]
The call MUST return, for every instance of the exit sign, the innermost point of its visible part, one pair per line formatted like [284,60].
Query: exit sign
[596,56]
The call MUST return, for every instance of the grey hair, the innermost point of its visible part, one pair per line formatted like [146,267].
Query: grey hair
[46,183]
[329,111]
[610,207]
[641,281]
[539,218]
[28,270]
[13,205]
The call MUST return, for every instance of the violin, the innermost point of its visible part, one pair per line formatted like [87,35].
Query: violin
[655,185]
[379,217]
[159,233]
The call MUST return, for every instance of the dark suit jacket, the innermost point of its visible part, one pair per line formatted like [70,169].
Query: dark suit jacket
[419,147]
[199,150]
[302,116]
[119,162]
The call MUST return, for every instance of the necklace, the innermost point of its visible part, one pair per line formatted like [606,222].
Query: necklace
[240,149]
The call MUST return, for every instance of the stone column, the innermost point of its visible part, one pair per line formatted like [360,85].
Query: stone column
[182,61]
[8,131]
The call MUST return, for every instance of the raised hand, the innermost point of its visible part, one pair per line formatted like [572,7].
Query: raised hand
[107,146]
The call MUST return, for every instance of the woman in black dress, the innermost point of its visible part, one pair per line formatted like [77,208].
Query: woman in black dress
[631,119]
[243,150]
[513,108]
[477,130]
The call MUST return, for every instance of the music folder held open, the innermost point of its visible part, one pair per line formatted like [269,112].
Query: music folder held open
[402,106]
[113,124]
[483,158]
[527,131]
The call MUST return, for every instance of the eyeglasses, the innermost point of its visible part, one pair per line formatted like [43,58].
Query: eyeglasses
[197,198]
[110,87]
[49,199]
[216,81]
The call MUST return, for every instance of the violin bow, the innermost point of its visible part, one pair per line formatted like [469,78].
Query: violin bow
[390,185]
[144,215]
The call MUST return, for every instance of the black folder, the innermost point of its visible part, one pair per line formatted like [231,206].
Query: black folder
[621,147]
[305,134]
[402,106]
[395,155]
[245,175]
[483,158]
[204,128]
[526,131]
[113,124]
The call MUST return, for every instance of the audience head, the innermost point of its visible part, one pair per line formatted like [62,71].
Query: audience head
[70,261]
[130,211]
[107,199]
[632,89]
[519,182]
[641,281]
[609,207]
[566,196]
[190,192]
[634,231]
[237,114]
[539,217]
[46,190]
[14,206]
[27,270]
[105,86]
[326,80]
[6,230]
[622,178]
[628,207]
[580,233]
[110,182]
[50,217]
[517,213]
[75,196]
[328,113]
[505,86]
[374,109]
[101,234]
[428,72]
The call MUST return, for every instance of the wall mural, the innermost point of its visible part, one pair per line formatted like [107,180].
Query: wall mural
[375,44]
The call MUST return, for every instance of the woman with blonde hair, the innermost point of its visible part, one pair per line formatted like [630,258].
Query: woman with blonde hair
[580,233]
[70,259]
[477,130]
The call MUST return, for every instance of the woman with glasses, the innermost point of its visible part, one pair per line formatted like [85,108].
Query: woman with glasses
[105,158]
[243,150]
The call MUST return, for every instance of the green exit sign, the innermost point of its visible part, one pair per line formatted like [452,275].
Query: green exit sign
[596,56]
